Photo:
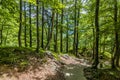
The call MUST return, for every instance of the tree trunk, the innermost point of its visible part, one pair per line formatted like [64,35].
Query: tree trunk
[61,31]
[96,61]
[1,35]
[93,57]
[56,47]
[25,34]
[37,25]
[116,36]
[48,38]
[42,43]
[20,25]
[30,23]
[50,34]
[67,35]
[75,36]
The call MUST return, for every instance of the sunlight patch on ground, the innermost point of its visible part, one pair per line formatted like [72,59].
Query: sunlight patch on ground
[68,74]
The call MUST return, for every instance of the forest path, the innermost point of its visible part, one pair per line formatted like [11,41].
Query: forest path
[73,67]
[50,69]
[74,72]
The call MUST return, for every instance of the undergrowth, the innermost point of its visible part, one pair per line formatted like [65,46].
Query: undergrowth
[18,57]
[101,74]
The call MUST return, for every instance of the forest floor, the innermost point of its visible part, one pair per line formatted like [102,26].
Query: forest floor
[74,67]
[47,68]
[50,67]
[50,70]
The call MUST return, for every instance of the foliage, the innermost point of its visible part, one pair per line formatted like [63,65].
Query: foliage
[101,74]
[74,18]
[16,56]
[107,55]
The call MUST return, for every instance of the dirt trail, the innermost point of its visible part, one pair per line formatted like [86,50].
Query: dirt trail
[46,71]
[73,67]
[50,70]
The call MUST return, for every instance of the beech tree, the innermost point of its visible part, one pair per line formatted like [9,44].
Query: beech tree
[20,25]
[61,31]
[63,26]
[115,60]
[25,33]
[42,40]
[37,25]
[96,61]
[30,24]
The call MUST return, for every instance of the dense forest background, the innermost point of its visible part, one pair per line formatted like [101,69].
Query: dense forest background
[85,27]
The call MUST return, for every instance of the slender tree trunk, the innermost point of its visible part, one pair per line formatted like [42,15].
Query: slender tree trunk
[1,35]
[116,35]
[25,30]
[67,36]
[56,47]
[50,34]
[96,61]
[93,57]
[37,25]
[48,39]
[30,23]
[54,41]
[42,43]
[20,25]
[75,37]
[61,32]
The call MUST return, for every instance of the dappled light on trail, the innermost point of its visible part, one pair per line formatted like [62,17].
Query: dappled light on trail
[73,67]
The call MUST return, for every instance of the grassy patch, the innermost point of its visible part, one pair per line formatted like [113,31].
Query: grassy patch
[56,56]
[19,57]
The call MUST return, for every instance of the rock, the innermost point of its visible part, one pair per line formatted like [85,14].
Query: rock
[66,56]
[49,54]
